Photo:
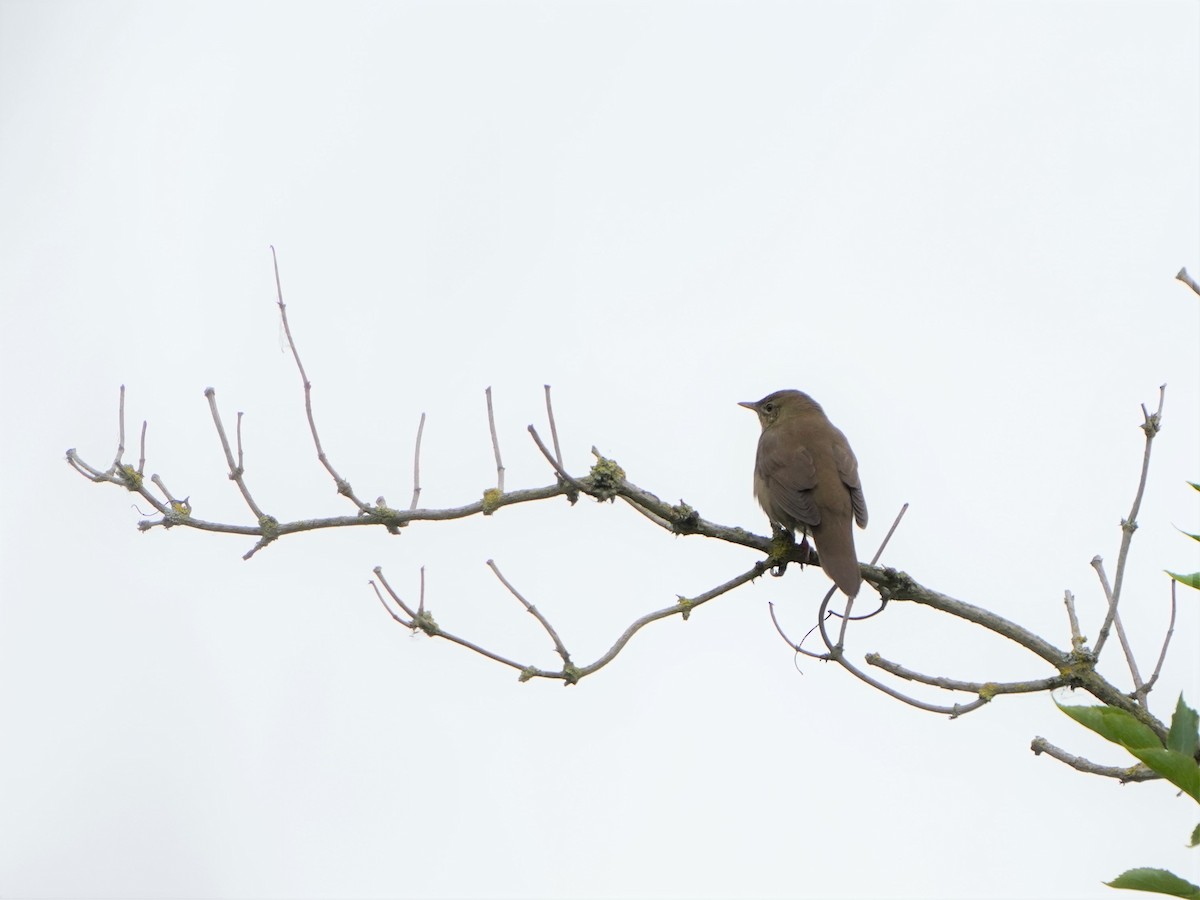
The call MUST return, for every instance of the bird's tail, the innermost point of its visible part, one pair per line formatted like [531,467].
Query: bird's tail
[835,550]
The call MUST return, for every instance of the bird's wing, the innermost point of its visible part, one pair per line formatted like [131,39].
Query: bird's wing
[787,468]
[847,467]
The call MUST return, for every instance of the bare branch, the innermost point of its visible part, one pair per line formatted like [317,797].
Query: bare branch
[1115,618]
[156,480]
[120,429]
[558,468]
[887,537]
[407,623]
[533,611]
[343,486]
[417,464]
[495,442]
[1151,425]
[570,674]
[84,469]
[241,460]
[553,427]
[841,641]
[142,450]
[985,689]
[1137,772]
[1182,275]
[425,621]
[1077,640]
[409,611]
[607,481]
[235,468]
[1166,642]
[652,516]
[683,608]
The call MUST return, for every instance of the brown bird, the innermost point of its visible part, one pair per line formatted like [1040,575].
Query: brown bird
[806,478]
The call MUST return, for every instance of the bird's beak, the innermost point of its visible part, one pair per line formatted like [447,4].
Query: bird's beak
[748,405]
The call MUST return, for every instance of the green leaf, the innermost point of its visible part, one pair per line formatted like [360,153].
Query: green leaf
[1160,881]
[1195,841]
[1114,724]
[1192,581]
[1178,768]
[1194,537]
[1185,728]
[1122,728]
[1193,484]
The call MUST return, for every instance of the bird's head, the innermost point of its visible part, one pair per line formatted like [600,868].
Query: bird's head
[781,405]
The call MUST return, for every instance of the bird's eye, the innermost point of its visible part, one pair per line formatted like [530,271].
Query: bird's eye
[768,407]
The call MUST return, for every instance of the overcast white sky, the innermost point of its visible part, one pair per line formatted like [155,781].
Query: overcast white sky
[955,225]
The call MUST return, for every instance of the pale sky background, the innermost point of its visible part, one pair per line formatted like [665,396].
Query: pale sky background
[955,225]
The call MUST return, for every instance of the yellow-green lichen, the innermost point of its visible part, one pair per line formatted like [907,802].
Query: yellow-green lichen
[491,500]
[684,518]
[424,621]
[131,477]
[269,526]
[606,475]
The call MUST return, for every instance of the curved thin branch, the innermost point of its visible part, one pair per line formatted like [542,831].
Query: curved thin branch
[1162,655]
[986,689]
[533,611]
[236,472]
[343,486]
[1139,772]
[570,673]
[1151,425]
[417,464]
[1182,275]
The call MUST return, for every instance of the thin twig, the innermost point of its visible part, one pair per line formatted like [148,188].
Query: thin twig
[982,688]
[1182,275]
[569,674]
[412,613]
[653,517]
[176,511]
[1137,772]
[120,429]
[495,442]
[533,611]
[1151,425]
[1166,642]
[874,559]
[241,464]
[839,656]
[407,623]
[142,450]
[558,468]
[1077,639]
[425,622]
[553,427]
[1114,618]
[684,608]
[798,647]
[887,537]
[417,464]
[845,617]
[235,470]
[343,486]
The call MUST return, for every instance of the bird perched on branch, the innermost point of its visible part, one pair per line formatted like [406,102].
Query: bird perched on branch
[806,479]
